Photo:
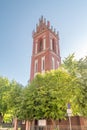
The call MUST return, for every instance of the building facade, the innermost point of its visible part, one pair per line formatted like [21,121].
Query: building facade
[46,51]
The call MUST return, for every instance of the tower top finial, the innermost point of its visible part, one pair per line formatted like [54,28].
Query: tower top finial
[48,24]
[42,17]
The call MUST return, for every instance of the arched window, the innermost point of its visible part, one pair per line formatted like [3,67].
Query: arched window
[53,45]
[40,47]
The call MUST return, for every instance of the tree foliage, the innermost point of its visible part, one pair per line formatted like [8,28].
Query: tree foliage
[48,94]
[82,70]
[78,68]
[10,99]
[4,88]
[46,97]
[15,98]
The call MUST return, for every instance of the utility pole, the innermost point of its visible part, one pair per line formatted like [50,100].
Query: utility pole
[69,112]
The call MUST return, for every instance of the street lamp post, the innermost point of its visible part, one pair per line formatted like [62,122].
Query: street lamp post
[69,112]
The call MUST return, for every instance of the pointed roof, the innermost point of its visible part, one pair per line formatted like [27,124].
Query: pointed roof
[43,26]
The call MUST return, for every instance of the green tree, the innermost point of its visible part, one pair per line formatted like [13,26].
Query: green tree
[4,88]
[15,98]
[71,65]
[48,94]
[82,70]
[78,69]
[11,94]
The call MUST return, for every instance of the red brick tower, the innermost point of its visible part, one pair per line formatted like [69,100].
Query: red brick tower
[46,52]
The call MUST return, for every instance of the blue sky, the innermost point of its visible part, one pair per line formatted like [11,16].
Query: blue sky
[18,18]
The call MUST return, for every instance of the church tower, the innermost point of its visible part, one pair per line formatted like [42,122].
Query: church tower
[46,51]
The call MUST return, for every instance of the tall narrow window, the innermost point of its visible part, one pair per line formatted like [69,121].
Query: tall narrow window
[44,43]
[43,64]
[53,63]
[36,66]
[40,45]
[36,48]
[53,45]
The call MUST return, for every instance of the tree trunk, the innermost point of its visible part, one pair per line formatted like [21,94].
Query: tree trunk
[15,124]
[33,125]
[1,118]
[53,124]
[28,125]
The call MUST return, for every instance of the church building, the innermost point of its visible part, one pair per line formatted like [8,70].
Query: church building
[46,51]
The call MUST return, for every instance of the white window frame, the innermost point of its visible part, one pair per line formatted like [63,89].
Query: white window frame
[53,63]
[44,43]
[43,64]
[36,67]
